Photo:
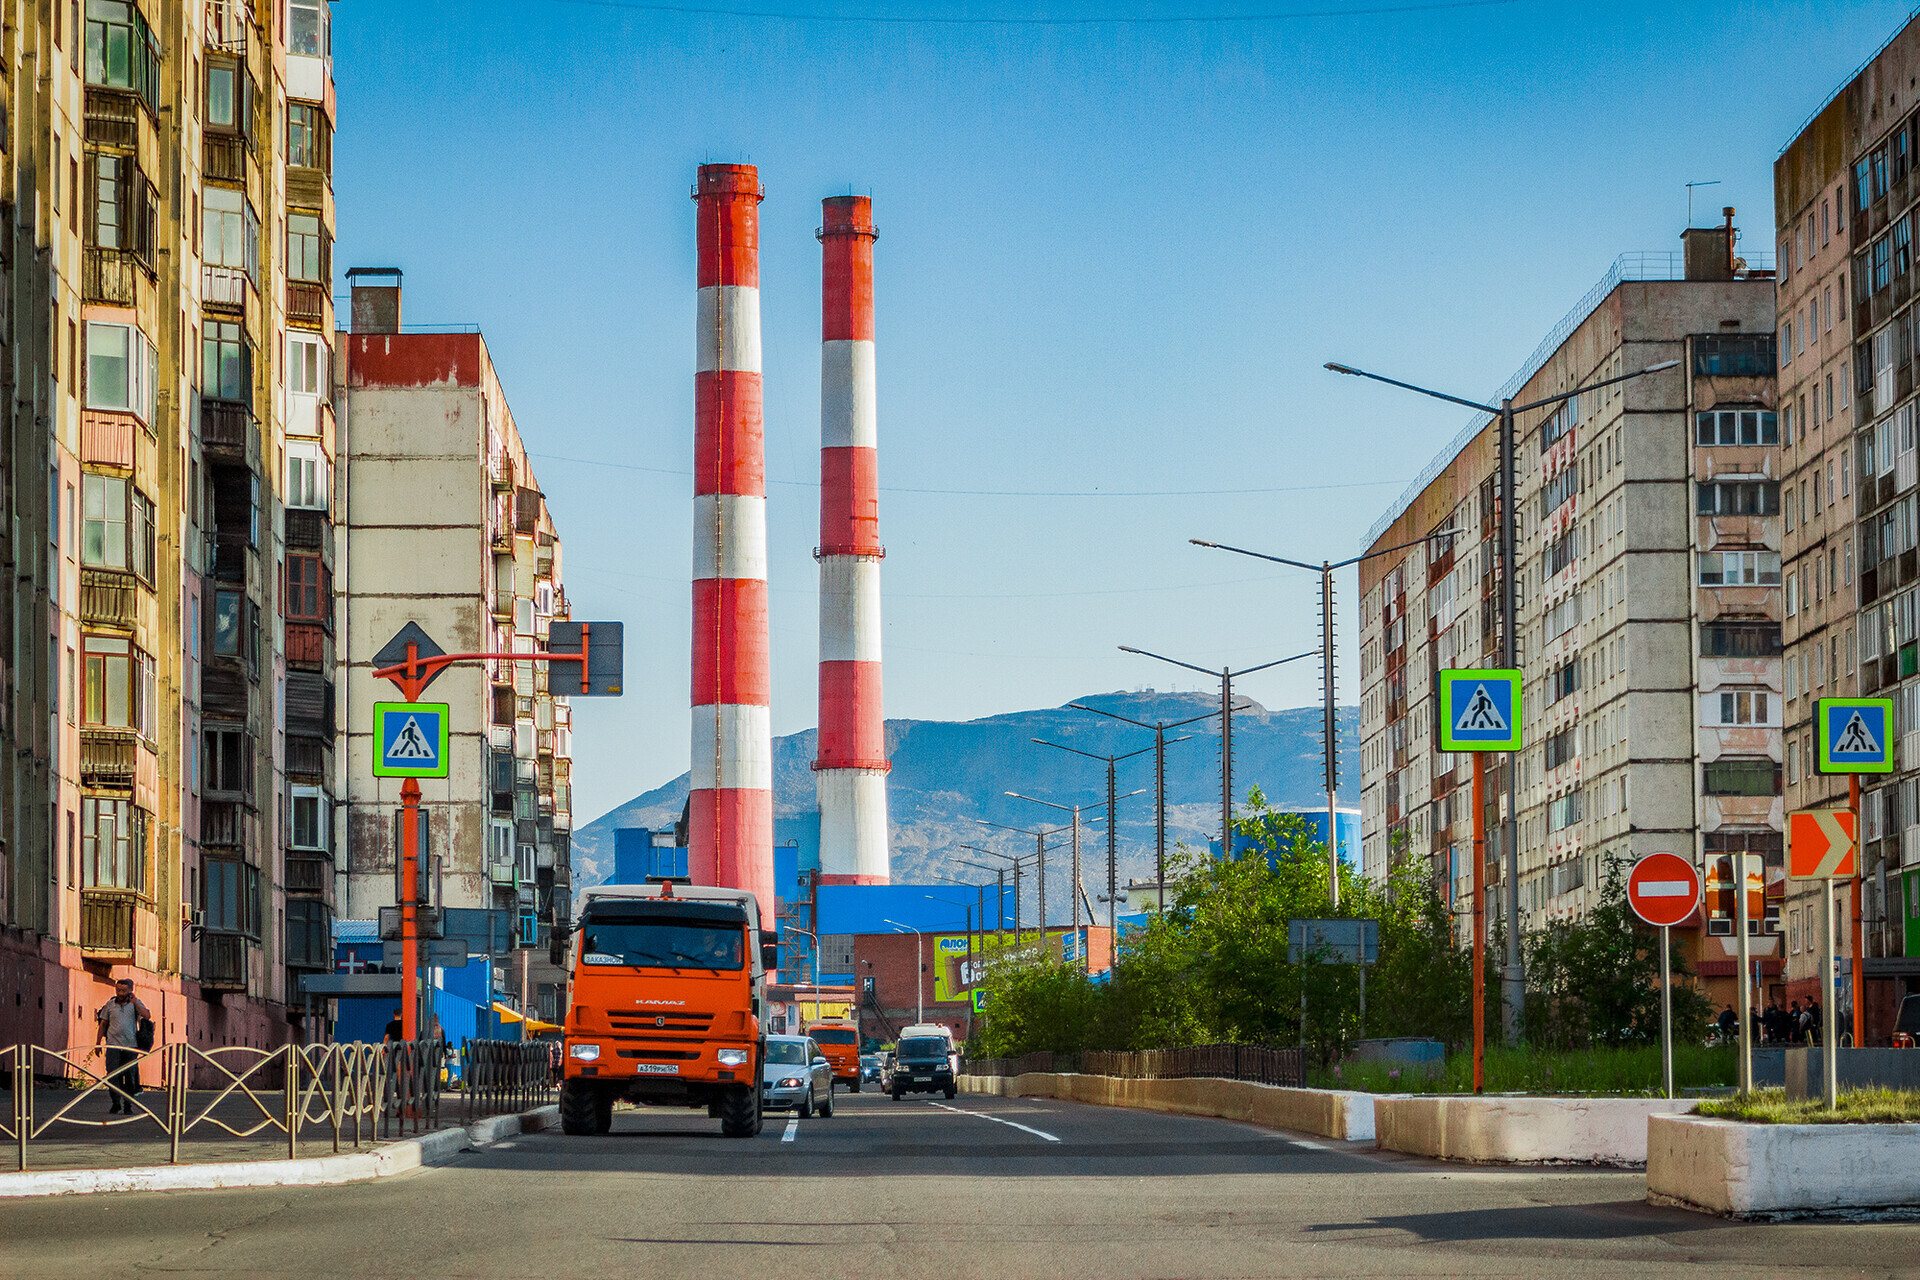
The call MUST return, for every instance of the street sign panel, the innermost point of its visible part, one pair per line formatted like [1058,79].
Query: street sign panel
[1480,710]
[443,953]
[1333,941]
[1663,889]
[410,739]
[1822,844]
[605,656]
[1855,735]
[394,652]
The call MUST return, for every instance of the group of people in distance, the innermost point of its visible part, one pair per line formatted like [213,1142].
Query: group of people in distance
[1773,1025]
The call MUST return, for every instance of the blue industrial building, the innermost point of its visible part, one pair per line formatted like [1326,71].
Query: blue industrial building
[1347,823]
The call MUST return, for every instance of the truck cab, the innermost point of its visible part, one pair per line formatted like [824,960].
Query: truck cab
[840,1042]
[668,985]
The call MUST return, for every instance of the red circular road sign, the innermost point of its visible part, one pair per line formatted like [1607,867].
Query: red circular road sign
[1663,889]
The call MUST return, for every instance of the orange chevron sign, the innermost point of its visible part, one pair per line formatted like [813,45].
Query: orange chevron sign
[1822,844]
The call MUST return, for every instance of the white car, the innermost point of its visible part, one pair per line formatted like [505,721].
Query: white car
[796,1075]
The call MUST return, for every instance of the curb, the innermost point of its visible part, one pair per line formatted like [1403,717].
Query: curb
[316,1171]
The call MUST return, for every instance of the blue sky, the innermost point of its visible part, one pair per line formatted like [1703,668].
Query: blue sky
[1113,258]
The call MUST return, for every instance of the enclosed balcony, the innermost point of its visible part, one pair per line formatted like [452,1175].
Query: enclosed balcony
[108,757]
[309,875]
[226,430]
[306,304]
[223,962]
[109,598]
[107,923]
[226,156]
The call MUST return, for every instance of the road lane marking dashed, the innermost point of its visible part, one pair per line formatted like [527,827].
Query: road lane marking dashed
[1302,1142]
[793,1130]
[1038,1133]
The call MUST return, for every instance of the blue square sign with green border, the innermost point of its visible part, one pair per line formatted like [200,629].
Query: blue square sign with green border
[410,739]
[1855,735]
[1480,710]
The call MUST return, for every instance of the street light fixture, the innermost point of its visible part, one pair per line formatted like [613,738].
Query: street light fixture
[1226,727]
[1513,983]
[1328,741]
[1075,887]
[1113,827]
[1160,745]
[920,979]
[1039,857]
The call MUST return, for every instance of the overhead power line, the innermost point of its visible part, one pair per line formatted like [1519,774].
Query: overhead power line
[1143,20]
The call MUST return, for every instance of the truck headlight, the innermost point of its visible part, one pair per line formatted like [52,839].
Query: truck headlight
[584,1052]
[733,1057]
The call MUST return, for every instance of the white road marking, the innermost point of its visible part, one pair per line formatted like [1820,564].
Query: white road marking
[1302,1142]
[1038,1133]
[793,1130]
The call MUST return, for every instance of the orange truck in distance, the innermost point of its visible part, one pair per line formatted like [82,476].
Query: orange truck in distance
[668,987]
[840,1042]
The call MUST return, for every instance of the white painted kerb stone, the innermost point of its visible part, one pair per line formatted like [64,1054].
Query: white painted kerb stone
[1520,1130]
[1732,1167]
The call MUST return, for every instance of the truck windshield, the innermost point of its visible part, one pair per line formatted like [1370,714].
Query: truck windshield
[832,1035]
[680,944]
[923,1047]
[786,1053]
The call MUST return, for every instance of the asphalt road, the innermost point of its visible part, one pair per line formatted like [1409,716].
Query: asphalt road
[982,1187]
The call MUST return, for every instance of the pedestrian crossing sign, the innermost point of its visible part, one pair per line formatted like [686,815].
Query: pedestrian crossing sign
[410,739]
[1856,735]
[1480,710]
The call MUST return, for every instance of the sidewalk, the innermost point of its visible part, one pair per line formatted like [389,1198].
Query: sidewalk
[133,1156]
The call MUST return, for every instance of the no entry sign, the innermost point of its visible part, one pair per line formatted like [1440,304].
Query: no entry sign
[1663,889]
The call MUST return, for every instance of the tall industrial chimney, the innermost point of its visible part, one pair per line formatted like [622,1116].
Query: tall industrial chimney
[851,770]
[730,811]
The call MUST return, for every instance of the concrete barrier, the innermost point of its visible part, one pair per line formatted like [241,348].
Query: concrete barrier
[1740,1169]
[1525,1130]
[1330,1113]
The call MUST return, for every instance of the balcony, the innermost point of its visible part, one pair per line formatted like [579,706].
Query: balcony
[306,530]
[111,277]
[307,304]
[107,923]
[306,644]
[108,758]
[227,24]
[309,875]
[234,562]
[503,603]
[306,188]
[226,429]
[223,824]
[225,156]
[113,118]
[106,437]
[223,962]
[308,756]
[225,288]
[109,598]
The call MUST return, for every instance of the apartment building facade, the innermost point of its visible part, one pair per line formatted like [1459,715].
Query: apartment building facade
[170,216]
[1845,201]
[446,527]
[1648,563]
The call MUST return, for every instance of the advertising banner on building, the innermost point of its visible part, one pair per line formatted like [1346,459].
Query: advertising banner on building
[954,978]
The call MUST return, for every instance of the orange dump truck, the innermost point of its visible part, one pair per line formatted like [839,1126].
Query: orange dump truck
[668,987]
[840,1043]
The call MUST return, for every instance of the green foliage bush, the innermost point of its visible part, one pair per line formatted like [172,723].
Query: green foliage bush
[1214,968]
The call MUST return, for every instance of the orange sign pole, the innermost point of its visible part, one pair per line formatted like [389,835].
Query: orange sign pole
[1859,951]
[1479,922]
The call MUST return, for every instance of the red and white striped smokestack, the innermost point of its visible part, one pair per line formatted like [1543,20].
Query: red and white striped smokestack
[852,765]
[730,818]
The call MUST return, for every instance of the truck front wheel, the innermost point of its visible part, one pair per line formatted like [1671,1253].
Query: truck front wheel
[740,1113]
[579,1107]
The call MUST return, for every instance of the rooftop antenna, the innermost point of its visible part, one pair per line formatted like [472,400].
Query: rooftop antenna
[1690,186]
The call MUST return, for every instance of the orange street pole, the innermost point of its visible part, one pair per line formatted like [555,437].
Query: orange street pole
[409,909]
[1859,951]
[1479,922]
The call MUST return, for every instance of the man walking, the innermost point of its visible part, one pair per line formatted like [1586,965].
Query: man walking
[118,1023]
[1729,1020]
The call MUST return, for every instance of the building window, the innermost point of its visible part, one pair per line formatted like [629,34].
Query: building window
[1562,747]
[229,628]
[308,589]
[1738,498]
[1739,569]
[113,844]
[306,366]
[1739,639]
[306,477]
[309,934]
[1740,777]
[121,370]
[117,531]
[309,251]
[121,53]
[308,827]
[226,761]
[118,691]
[231,231]
[307,32]
[226,370]
[309,138]
[1743,707]
[1736,426]
[1734,355]
[232,896]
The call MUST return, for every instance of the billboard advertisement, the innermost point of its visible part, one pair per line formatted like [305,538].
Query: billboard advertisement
[955,977]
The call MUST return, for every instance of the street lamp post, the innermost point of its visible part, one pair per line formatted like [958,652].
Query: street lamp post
[1226,728]
[1039,856]
[1160,745]
[1513,984]
[1112,826]
[1328,741]
[1076,888]
[920,978]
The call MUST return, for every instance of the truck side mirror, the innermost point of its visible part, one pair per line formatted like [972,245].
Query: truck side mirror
[770,956]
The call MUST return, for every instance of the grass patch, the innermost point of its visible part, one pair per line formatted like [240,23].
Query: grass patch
[1856,1106]
[1620,1072]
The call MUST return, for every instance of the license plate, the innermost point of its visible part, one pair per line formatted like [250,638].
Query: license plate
[657,1069]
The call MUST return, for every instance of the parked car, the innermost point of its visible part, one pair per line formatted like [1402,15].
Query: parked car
[796,1076]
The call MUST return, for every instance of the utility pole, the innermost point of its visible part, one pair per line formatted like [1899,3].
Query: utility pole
[1328,741]
[1160,745]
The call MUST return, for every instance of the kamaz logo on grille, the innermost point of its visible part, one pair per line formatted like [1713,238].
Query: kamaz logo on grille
[660,1022]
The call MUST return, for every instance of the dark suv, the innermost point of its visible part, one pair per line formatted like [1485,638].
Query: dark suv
[923,1064]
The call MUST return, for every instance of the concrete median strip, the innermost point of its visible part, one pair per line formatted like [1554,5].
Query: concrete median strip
[314,1171]
[1329,1113]
[1739,1169]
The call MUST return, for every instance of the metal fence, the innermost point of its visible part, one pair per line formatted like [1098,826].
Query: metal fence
[355,1092]
[1261,1064]
[508,1075]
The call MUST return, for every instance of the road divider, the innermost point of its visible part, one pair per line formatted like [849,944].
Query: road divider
[1330,1113]
[1521,1130]
[1741,1169]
